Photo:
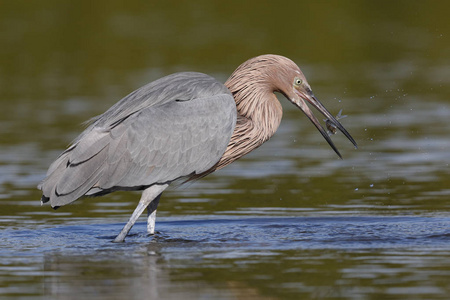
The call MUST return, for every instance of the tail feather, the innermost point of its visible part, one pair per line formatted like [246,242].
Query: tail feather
[54,173]
[67,182]
[44,199]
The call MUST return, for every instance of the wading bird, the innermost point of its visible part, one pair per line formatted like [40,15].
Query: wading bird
[181,127]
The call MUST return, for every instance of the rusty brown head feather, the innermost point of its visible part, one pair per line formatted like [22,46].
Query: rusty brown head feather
[253,85]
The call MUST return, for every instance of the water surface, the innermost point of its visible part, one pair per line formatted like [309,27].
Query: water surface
[288,221]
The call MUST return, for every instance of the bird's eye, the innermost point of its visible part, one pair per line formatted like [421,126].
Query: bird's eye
[298,81]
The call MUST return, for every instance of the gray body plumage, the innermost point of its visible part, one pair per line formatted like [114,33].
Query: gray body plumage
[173,128]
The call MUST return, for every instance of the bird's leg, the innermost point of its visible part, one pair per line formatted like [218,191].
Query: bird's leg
[151,215]
[148,195]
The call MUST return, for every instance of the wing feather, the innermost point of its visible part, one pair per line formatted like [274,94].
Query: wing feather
[172,128]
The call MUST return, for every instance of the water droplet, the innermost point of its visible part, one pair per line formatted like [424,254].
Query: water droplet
[356,189]
[371,185]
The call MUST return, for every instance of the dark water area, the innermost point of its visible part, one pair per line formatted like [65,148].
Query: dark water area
[288,221]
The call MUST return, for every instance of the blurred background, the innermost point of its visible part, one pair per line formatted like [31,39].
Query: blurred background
[290,219]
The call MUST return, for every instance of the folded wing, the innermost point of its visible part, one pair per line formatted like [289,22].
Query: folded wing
[158,134]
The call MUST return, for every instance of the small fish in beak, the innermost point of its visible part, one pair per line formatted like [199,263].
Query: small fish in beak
[331,126]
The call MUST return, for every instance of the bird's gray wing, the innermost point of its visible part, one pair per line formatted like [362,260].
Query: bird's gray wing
[183,86]
[152,144]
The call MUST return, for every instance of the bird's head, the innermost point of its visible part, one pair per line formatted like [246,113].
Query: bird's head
[259,77]
[289,80]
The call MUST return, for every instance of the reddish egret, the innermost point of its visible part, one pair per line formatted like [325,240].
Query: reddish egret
[181,127]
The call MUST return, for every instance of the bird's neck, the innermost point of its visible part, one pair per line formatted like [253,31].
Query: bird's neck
[259,115]
[263,113]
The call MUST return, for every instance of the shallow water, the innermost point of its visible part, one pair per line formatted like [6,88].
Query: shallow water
[229,256]
[288,221]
